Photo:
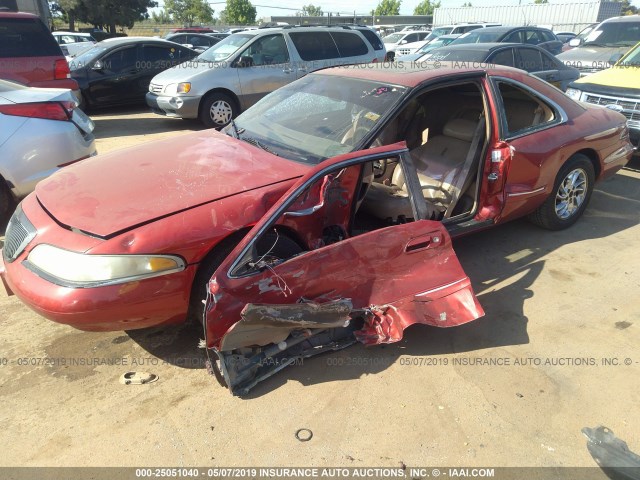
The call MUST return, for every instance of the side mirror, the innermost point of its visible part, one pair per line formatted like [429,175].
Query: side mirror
[402,42]
[575,42]
[245,61]
[614,58]
[97,66]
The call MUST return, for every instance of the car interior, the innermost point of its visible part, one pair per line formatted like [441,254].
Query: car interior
[446,131]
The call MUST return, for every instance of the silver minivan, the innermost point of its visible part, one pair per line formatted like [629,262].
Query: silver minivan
[238,71]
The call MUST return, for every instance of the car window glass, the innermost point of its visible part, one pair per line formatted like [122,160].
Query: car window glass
[548,62]
[159,57]
[26,38]
[532,37]
[374,40]
[547,36]
[66,39]
[515,37]
[120,60]
[523,111]
[349,44]
[267,50]
[530,60]
[503,57]
[314,45]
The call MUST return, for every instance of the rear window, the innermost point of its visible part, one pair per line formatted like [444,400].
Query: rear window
[26,37]
[314,45]
[349,44]
[374,40]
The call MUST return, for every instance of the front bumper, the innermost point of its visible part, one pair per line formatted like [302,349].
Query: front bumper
[145,303]
[173,105]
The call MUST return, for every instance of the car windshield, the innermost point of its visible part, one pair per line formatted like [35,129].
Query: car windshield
[87,57]
[393,38]
[477,36]
[437,43]
[436,32]
[457,55]
[614,34]
[225,48]
[632,59]
[317,117]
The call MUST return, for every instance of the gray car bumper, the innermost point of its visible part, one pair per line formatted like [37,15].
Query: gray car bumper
[173,106]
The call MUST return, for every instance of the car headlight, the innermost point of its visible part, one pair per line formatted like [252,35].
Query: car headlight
[173,88]
[73,269]
[574,93]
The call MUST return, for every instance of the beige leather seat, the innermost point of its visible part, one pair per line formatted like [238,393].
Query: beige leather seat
[439,162]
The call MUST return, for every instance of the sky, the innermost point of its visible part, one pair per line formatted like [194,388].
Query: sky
[365,6]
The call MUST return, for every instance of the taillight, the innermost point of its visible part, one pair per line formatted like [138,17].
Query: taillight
[61,70]
[47,110]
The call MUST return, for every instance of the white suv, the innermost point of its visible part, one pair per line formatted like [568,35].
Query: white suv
[395,40]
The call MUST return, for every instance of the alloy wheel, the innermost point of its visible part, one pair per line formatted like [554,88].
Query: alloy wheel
[571,193]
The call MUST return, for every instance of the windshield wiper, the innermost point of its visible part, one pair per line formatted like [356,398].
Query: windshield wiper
[233,131]
[259,144]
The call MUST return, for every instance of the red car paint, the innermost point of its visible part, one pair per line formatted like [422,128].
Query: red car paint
[183,196]
[41,64]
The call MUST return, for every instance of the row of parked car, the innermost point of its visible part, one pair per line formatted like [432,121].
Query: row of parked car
[284,234]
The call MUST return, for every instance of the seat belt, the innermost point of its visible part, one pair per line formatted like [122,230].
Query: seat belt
[472,154]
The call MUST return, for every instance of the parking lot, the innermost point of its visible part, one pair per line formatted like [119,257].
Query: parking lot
[556,352]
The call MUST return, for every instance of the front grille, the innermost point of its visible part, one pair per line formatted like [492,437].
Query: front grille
[19,233]
[155,88]
[630,106]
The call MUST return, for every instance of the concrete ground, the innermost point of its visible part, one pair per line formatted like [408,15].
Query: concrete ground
[564,306]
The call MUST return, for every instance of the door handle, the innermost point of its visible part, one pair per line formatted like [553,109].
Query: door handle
[421,243]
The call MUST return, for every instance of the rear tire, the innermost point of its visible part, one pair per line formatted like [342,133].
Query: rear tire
[570,195]
[217,110]
[6,202]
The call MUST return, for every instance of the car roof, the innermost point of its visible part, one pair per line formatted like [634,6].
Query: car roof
[407,75]
[485,47]
[79,34]
[626,18]
[125,40]
[197,34]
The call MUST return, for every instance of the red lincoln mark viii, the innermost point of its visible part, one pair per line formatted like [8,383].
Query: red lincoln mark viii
[321,217]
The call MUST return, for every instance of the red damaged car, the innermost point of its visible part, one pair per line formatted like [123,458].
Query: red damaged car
[321,217]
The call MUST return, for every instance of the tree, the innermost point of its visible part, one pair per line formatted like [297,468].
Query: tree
[189,11]
[468,4]
[388,7]
[106,13]
[540,1]
[426,7]
[161,17]
[240,12]
[312,11]
[627,8]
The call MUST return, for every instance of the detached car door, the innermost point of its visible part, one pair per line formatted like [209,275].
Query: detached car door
[386,277]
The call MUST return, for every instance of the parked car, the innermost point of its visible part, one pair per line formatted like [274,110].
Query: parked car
[617,88]
[530,58]
[189,30]
[244,67]
[541,37]
[74,43]
[614,36]
[460,28]
[41,131]
[565,37]
[395,40]
[322,216]
[118,71]
[29,54]
[195,41]
[424,47]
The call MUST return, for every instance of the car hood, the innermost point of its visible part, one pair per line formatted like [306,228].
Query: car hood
[110,194]
[616,77]
[185,71]
[590,57]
